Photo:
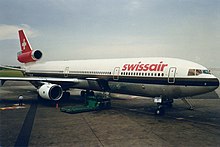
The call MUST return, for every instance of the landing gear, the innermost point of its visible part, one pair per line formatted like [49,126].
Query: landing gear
[160,110]
[105,100]
[161,104]
[188,104]
[87,93]
[168,103]
[83,93]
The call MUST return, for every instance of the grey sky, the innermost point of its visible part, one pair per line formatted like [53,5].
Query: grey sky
[84,29]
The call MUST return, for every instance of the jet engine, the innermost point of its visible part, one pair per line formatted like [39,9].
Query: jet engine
[51,91]
[29,56]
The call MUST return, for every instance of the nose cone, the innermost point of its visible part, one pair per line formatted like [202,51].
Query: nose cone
[215,83]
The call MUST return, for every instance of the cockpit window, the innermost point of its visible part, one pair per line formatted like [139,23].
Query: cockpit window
[191,72]
[196,72]
[206,72]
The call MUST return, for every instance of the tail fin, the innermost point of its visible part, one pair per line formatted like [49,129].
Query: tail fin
[25,46]
[26,54]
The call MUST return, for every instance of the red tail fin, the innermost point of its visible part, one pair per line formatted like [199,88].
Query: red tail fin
[26,54]
[25,46]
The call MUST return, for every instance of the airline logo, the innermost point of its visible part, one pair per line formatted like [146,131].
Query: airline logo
[144,67]
[23,44]
[25,47]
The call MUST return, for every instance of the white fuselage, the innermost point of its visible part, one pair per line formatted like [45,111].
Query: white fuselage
[154,77]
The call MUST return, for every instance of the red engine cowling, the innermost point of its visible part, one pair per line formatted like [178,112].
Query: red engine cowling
[30,56]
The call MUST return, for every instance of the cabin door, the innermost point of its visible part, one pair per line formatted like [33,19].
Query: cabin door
[171,75]
[116,73]
[66,72]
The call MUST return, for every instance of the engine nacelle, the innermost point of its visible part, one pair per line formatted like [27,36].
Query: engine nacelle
[29,56]
[51,91]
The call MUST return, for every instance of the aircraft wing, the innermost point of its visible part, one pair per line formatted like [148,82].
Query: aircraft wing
[40,79]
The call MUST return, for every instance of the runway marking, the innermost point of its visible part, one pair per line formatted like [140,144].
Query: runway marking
[16,106]
[25,132]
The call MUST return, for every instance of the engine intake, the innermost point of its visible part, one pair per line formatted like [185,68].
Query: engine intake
[51,91]
[30,56]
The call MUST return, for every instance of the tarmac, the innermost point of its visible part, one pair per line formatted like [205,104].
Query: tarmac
[130,121]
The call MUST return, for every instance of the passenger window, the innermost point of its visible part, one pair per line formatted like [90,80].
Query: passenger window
[191,72]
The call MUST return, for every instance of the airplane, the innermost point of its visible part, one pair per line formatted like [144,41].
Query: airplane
[163,79]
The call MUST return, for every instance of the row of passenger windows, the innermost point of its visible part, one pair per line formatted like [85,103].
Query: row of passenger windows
[122,73]
[191,72]
[92,72]
[142,74]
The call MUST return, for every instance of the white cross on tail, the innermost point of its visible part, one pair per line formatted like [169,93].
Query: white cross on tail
[24,44]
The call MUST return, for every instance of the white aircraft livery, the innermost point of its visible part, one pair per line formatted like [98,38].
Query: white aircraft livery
[163,79]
